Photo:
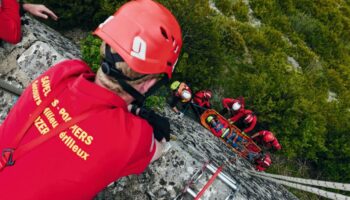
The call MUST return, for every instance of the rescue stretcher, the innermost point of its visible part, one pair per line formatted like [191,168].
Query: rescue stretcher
[245,147]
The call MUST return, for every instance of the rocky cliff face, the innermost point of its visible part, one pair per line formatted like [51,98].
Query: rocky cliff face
[40,48]
[164,179]
[194,146]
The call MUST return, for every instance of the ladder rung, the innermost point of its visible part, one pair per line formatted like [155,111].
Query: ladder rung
[223,177]
[191,192]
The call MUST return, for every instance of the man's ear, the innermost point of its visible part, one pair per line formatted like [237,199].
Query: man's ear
[146,85]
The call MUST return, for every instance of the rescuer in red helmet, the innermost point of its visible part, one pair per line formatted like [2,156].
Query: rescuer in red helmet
[246,121]
[234,106]
[202,98]
[267,139]
[262,162]
[180,92]
[72,132]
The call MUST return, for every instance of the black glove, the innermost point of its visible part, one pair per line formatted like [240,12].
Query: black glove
[161,125]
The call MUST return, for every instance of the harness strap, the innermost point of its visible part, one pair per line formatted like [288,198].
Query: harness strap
[11,154]
[34,115]
[21,150]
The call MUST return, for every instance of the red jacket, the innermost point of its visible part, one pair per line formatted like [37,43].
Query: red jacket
[241,115]
[82,160]
[200,99]
[268,140]
[10,22]
[228,102]
[260,167]
[260,138]
[262,164]
[235,115]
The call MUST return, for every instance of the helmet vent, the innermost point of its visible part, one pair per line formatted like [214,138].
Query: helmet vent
[165,35]
[169,64]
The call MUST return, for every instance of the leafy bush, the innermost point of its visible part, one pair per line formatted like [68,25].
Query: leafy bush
[156,102]
[85,14]
[72,13]
[90,49]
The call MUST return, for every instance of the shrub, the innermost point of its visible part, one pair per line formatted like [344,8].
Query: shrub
[72,14]
[84,14]
[90,49]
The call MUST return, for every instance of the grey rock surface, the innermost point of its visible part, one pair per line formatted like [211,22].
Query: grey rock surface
[166,178]
[40,48]
[194,146]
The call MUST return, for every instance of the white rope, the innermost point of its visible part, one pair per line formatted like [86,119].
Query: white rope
[327,184]
[324,193]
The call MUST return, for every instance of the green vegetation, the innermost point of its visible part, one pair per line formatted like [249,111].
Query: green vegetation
[85,14]
[90,48]
[224,51]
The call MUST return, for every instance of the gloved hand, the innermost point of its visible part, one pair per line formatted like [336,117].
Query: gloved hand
[161,125]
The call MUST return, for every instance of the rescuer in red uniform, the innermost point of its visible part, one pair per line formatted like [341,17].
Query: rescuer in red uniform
[72,132]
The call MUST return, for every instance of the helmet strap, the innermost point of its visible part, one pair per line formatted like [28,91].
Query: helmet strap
[156,86]
[108,69]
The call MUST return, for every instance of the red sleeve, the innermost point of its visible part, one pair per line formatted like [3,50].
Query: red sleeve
[10,22]
[262,133]
[251,127]
[145,149]
[226,102]
[240,114]
[246,112]
[260,168]
[199,94]
[241,100]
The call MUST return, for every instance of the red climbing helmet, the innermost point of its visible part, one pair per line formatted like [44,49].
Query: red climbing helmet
[268,137]
[146,35]
[249,118]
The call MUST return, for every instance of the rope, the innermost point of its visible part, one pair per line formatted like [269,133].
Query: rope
[327,184]
[195,105]
[323,193]
[186,108]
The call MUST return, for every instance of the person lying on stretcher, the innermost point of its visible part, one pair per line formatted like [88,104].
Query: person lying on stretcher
[220,128]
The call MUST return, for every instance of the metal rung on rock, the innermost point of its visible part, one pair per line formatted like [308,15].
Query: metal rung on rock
[216,173]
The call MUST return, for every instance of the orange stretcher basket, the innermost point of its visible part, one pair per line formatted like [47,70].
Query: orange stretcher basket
[246,146]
